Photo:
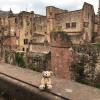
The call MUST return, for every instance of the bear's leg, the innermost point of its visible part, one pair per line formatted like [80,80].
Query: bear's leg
[49,86]
[42,87]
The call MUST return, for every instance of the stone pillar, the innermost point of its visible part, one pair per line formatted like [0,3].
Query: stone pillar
[61,55]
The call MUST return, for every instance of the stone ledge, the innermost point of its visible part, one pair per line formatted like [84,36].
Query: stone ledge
[62,89]
[22,91]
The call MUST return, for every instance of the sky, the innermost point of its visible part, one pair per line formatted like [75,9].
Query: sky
[38,6]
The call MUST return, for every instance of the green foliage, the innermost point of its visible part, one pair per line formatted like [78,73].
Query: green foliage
[6,56]
[21,60]
[37,62]
[34,61]
[9,57]
[97,85]
[78,68]
[84,69]
[63,35]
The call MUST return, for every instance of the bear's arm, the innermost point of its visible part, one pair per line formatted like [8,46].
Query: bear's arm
[42,81]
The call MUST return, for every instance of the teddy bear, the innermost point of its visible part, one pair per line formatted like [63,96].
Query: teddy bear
[46,82]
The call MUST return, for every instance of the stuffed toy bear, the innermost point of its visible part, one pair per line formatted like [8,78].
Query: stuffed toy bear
[46,80]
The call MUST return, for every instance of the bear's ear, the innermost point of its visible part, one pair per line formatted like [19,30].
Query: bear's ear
[43,72]
[51,72]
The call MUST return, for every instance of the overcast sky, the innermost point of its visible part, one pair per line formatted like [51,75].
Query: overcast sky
[39,5]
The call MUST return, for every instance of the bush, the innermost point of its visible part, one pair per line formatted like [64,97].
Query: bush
[97,85]
[84,70]
[21,60]
[9,57]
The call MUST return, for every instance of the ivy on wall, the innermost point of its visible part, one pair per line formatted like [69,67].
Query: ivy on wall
[63,35]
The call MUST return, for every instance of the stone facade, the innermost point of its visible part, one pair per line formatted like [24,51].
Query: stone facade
[99,18]
[97,39]
[22,29]
[78,24]
[26,27]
